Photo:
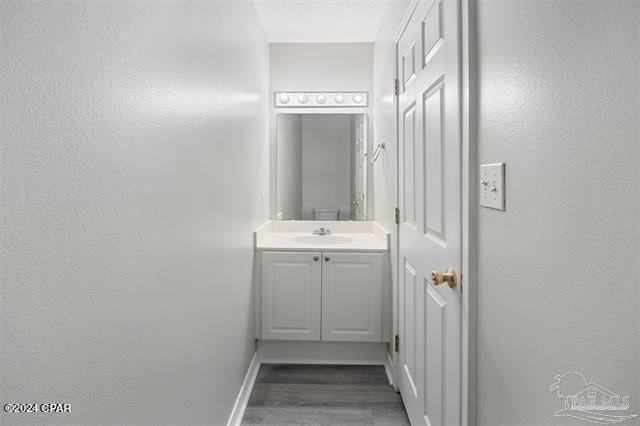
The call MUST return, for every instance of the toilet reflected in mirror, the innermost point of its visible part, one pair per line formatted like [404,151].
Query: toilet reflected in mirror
[321,165]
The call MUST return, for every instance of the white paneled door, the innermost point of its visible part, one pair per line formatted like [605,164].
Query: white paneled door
[429,131]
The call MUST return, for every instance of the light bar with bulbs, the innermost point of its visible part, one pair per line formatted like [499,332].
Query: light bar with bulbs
[321,99]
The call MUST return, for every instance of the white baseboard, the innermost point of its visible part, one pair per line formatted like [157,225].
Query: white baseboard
[388,368]
[304,352]
[245,392]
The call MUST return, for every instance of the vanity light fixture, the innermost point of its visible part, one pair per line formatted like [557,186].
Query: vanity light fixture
[284,98]
[313,99]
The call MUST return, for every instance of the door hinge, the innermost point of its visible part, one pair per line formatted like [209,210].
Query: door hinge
[397,343]
[396,87]
[397,216]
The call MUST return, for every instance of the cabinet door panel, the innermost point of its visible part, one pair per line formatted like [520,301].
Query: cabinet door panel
[291,293]
[352,297]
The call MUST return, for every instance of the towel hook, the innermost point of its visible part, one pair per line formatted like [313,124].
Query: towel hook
[377,151]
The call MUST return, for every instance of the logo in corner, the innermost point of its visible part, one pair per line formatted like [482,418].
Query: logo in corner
[589,401]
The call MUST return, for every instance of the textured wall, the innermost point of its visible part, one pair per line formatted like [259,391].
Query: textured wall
[559,269]
[321,66]
[133,159]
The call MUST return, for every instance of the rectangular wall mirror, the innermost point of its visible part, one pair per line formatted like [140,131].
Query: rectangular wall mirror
[321,166]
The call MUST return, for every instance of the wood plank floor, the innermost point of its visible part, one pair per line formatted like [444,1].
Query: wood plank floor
[294,394]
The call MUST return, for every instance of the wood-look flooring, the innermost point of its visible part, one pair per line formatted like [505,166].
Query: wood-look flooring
[294,394]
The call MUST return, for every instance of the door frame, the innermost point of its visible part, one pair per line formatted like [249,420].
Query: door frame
[469,164]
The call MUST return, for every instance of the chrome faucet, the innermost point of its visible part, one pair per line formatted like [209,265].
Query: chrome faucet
[321,230]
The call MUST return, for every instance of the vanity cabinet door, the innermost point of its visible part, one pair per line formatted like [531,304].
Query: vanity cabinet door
[352,297]
[291,295]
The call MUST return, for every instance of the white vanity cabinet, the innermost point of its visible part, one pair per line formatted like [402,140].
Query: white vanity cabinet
[291,293]
[352,297]
[327,296]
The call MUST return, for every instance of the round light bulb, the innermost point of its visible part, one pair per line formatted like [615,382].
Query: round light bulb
[339,99]
[284,98]
[321,99]
[357,99]
[303,98]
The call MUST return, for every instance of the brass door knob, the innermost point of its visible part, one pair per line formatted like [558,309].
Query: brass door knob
[449,277]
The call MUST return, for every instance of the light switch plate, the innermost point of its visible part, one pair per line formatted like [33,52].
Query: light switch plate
[492,186]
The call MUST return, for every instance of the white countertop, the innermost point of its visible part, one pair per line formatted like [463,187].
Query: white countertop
[352,236]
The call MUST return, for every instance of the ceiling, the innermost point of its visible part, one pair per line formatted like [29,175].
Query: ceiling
[320,21]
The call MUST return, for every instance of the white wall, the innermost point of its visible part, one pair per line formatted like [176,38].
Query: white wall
[559,269]
[385,168]
[289,166]
[133,160]
[321,66]
[326,164]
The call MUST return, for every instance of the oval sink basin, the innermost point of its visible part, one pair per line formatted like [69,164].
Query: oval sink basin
[322,239]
